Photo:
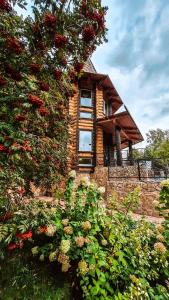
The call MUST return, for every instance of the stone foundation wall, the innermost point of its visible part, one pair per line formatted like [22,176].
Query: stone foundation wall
[129,172]
[122,186]
[149,192]
[100,176]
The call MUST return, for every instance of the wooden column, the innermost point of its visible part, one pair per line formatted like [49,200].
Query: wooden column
[130,144]
[118,145]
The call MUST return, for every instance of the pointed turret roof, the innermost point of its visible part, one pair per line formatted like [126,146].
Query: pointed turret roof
[89,67]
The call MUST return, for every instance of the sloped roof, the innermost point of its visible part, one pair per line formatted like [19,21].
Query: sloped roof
[89,67]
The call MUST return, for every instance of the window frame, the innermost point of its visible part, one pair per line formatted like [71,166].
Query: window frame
[80,105]
[92,145]
[87,112]
[85,165]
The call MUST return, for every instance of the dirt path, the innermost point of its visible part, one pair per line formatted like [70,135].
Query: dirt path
[157,220]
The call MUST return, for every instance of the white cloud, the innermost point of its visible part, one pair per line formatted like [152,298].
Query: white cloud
[137,58]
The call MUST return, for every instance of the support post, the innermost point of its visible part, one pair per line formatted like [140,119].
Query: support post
[118,146]
[130,153]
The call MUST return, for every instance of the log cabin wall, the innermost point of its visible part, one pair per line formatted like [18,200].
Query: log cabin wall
[99,129]
[77,159]
[86,159]
[72,142]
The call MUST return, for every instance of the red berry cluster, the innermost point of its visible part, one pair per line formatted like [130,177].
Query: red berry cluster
[43,111]
[60,41]
[13,246]
[78,66]
[26,147]
[39,103]
[35,100]
[7,216]
[57,74]
[40,45]
[5,6]
[50,20]
[3,82]
[20,118]
[3,148]
[35,68]
[13,73]
[42,229]
[88,33]
[44,86]
[25,235]
[14,45]
[99,18]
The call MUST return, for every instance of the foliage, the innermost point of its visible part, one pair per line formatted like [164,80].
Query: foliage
[163,207]
[41,57]
[25,279]
[111,255]
[158,145]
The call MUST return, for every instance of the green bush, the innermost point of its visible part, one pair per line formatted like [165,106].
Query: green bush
[111,255]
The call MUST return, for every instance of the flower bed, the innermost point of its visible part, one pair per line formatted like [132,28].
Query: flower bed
[110,256]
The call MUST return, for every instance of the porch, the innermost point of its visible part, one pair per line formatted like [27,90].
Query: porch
[119,132]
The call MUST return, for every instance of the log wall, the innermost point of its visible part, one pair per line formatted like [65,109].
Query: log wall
[72,142]
[77,124]
[99,129]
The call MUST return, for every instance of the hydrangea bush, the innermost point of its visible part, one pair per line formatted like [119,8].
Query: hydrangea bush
[110,255]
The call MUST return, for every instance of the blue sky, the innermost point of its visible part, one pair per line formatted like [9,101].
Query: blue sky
[136,58]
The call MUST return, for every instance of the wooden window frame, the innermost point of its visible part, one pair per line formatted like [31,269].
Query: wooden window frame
[89,130]
[87,112]
[87,165]
[86,106]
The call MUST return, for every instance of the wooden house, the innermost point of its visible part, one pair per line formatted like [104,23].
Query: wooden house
[97,131]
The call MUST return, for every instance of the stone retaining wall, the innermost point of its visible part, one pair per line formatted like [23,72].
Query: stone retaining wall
[122,186]
[149,193]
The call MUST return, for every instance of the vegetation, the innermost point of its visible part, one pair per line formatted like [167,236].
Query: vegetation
[158,145]
[109,255]
[41,57]
[23,278]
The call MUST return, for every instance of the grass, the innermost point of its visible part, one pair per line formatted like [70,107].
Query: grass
[24,279]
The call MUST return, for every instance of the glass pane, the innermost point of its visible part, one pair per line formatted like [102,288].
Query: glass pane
[86,98]
[83,161]
[86,115]
[85,140]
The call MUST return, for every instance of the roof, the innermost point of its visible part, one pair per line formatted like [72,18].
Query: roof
[129,129]
[89,67]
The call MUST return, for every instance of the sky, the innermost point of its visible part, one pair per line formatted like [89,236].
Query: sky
[136,58]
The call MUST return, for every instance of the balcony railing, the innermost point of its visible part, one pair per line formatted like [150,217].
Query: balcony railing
[145,169]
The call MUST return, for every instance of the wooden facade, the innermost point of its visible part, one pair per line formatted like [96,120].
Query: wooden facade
[94,121]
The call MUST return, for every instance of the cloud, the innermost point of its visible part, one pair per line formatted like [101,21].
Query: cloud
[137,58]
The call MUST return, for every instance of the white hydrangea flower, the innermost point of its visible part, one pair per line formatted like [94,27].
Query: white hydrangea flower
[35,250]
[102,190]
[72,174]
[164,183]
[84,181]
[51,229]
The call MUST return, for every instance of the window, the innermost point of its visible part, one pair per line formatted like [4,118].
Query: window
[107,108]
[86,98]
[85,115]
[85,140]
[85,162]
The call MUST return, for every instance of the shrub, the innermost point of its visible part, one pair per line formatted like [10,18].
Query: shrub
[112,256]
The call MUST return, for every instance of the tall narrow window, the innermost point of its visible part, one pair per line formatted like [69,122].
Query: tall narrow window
[86,98]
[85,140]
[107,108]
